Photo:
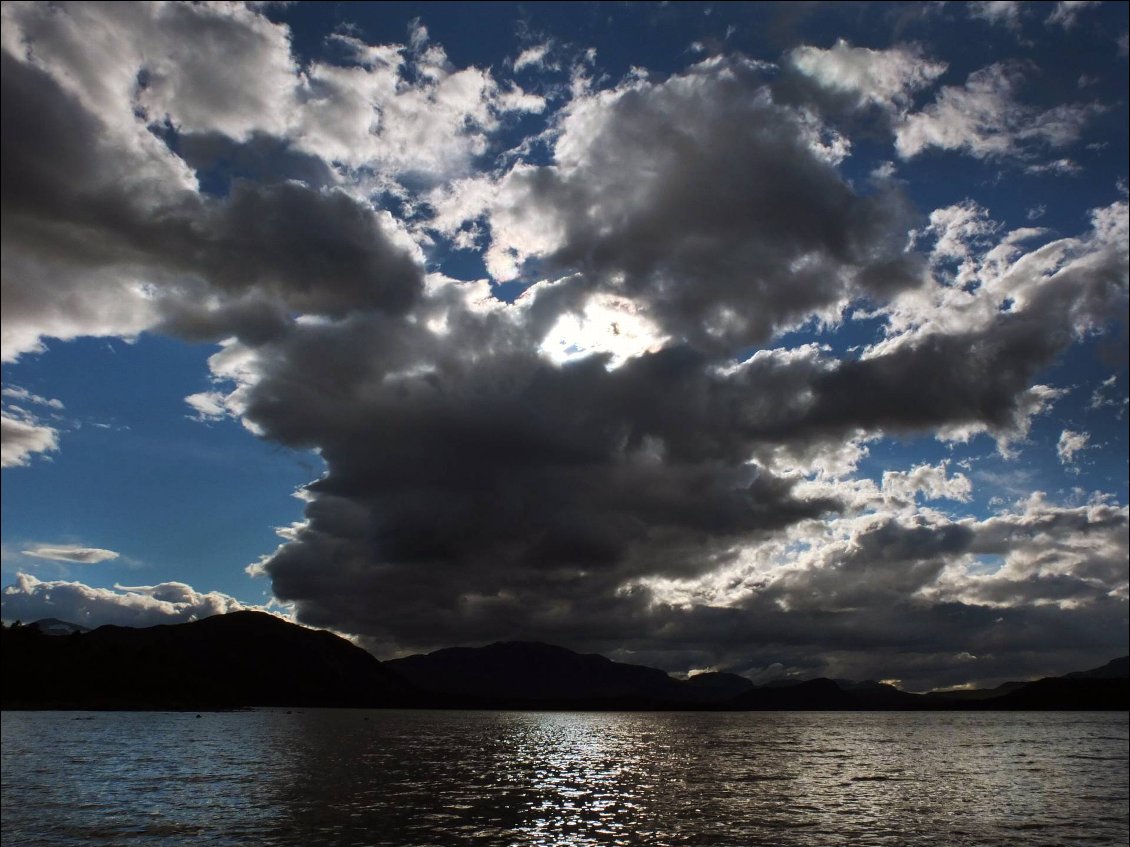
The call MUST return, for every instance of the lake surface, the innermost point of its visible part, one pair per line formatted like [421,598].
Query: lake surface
[355,777]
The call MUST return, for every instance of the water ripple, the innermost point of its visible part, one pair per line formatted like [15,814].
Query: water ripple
[393,779]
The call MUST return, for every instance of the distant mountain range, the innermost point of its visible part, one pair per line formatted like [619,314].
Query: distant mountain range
[246,659]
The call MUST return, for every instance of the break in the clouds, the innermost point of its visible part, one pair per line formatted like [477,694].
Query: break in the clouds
[706,361]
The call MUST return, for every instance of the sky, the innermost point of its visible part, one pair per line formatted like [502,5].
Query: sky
[784,339]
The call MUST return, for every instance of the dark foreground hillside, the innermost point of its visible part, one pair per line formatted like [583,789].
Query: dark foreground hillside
[226,661]
[253,659]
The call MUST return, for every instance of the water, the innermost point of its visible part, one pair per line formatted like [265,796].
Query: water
[343,777]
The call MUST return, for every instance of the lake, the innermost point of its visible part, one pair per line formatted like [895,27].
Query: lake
[359,777]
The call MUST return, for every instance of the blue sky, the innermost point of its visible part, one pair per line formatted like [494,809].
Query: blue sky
[768,337]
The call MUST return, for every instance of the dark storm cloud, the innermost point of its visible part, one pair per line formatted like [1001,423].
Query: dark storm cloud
[76,206]
[476,491]
[509,485]
[509,497]
[890,602]
[720,210]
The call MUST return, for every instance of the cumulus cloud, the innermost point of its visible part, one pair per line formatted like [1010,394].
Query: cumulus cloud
[929,480]
[885,78]
[71,553]
[115,237]
[29,599]
[910,592]
[1070,444]
[685,196]
[21,439]
[490,475]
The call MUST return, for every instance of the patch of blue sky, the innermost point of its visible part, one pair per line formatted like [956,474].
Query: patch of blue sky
[135,474]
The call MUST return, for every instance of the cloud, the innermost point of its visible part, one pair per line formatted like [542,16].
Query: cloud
[1006,13]
[884,78]
[488,477]
[984,119]
[511,496]
[89,252]
[1071,444]
[931,481]
[14,392]
[30,599]
[1108,395]
[1066,12]
[1030,588]
[115,237]
[715,209]
[71,553]
[533,57]
[21,439]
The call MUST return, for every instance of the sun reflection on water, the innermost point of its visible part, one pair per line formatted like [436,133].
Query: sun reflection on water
[509,779]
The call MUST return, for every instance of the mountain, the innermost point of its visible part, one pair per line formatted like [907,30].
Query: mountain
[530,673]
[54,626]
[1114,669]
[811,694]
[255,659]
[1106,687]
[719,685]
[878,695]
[970,694]
[226,661]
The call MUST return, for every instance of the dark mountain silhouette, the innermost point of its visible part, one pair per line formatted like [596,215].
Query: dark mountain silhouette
[255,659]
[718,685]
[518,672]
[812,694]
[225,661]
[878,695]
[1106,687]
[1114,669]
[54,626]
[1061,693]
[971,694]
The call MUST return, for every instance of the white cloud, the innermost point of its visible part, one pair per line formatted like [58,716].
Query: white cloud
[1108,395]
[403,110]
[21,439]
[14,392]
[1004,13]
[208,405]
[1066,12]
[984,119]
[71,553]
[30,599]
[1059,167]
[886,78]
[929,480]
[1070,444]
[532,57]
